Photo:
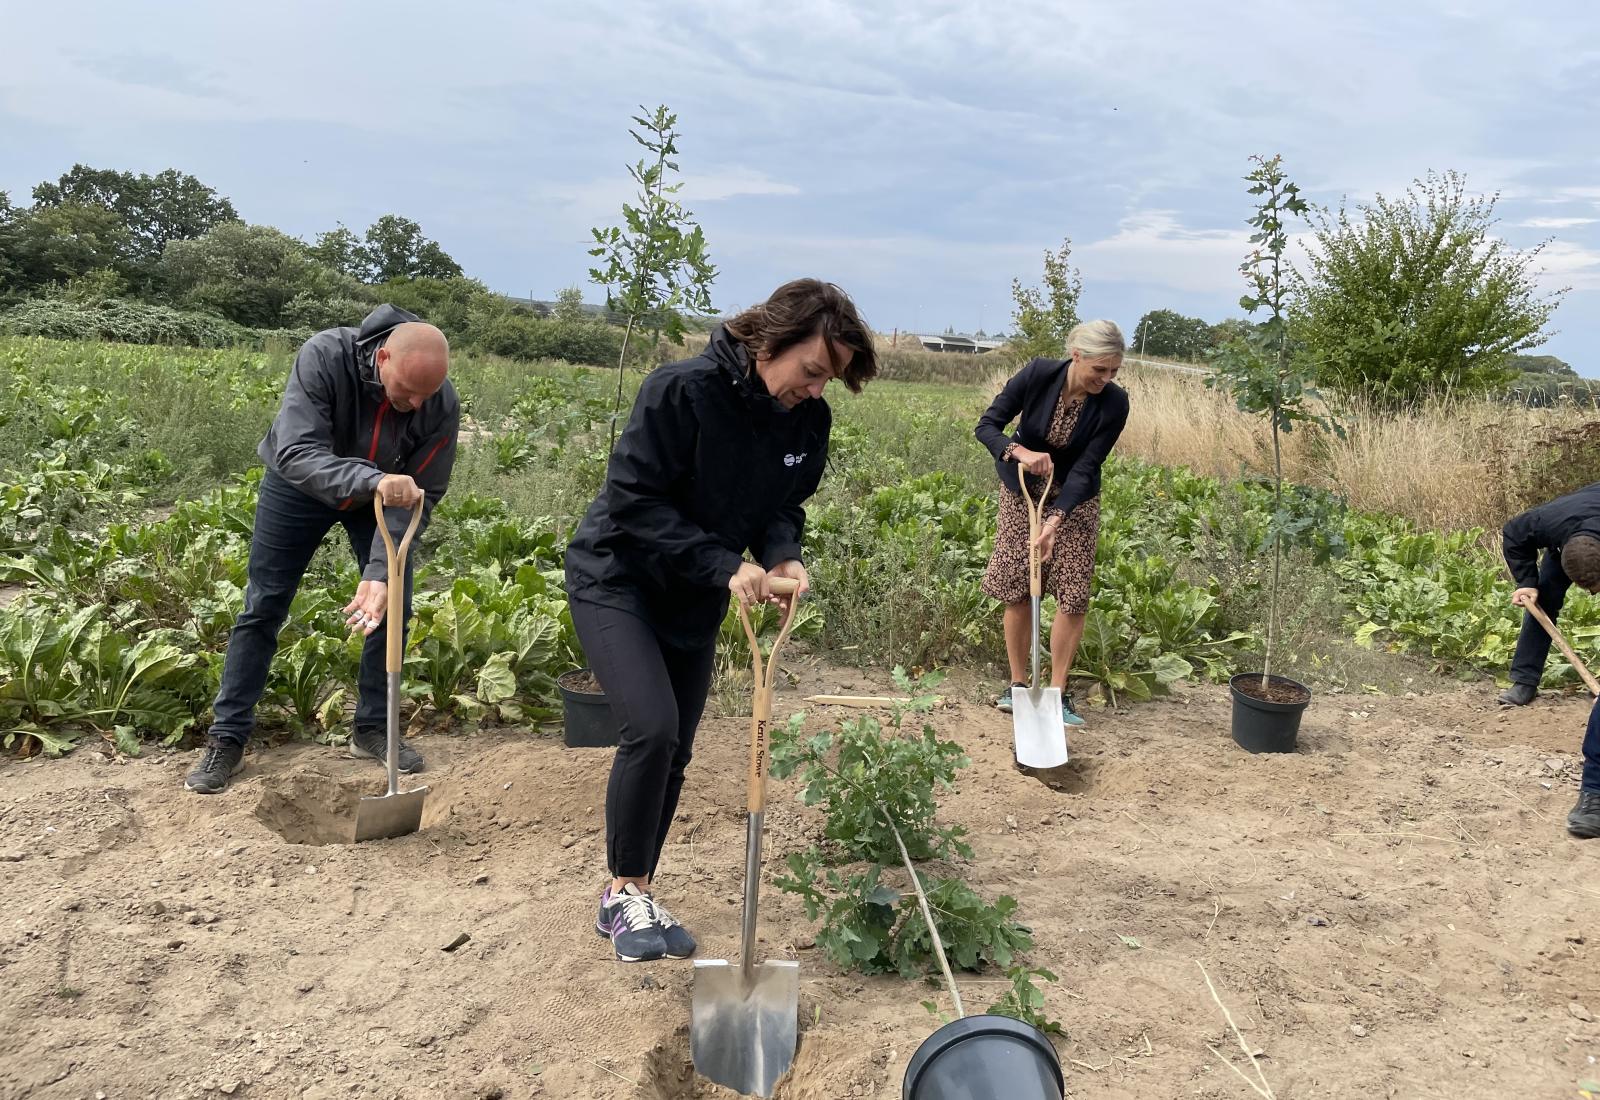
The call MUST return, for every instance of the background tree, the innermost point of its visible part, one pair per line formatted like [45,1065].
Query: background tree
[1044,315]
[343,251]
[155,210]
[1413,296]
[10,285]
[396,249]
[54,244]
[1541,364]
[569,304]
[248,274]
[1167,333]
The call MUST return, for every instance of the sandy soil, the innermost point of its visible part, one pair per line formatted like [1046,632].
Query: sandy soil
[1394,911]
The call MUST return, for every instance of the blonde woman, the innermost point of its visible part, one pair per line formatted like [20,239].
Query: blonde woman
[1069,414]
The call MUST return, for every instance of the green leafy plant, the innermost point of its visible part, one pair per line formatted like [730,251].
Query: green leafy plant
[877,789]
[489,647]
[62,678]
[305,680]
[1025,1000]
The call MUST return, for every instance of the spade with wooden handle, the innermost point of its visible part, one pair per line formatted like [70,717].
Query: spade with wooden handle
[397,812]
[744,1019]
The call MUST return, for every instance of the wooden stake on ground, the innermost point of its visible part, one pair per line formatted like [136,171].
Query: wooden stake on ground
[1263,1089]
[865,700]
[927,916]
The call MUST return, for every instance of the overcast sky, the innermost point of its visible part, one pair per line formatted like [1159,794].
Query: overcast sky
[920,154]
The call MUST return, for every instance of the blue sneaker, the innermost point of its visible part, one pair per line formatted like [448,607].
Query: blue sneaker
[1069,716]
[628,919]
[1003,703]
[680,944]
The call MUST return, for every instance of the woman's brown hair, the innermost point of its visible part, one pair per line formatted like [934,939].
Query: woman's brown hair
[800,310]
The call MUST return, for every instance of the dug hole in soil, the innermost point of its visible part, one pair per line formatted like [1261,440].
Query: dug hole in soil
[1392,910]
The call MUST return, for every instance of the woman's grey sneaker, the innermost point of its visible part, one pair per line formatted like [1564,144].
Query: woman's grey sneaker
[629,920]
[220,762]
[373,744]
[1069,716]
[680,944]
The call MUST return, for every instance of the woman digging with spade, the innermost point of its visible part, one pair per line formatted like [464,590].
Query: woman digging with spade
[1071,415]
[719,456]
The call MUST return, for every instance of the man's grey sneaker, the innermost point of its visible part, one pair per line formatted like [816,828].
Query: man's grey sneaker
[1584,820]
[680,944]
[1068,715]
[373,744]
[1518,695]
[629,920]
[220,762]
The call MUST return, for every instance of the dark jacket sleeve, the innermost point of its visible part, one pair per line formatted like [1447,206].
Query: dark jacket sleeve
[784,531]
[1523,537]
[1080,481]
[430,466]
[652,454]
[1005,408]
[302,435]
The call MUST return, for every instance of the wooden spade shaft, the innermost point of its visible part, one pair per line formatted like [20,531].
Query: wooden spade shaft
[1537,612]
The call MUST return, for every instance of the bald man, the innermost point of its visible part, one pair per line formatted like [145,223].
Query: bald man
[367,411]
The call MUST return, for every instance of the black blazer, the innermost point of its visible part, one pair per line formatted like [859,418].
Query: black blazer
[1034,391]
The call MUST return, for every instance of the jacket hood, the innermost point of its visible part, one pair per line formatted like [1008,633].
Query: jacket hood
[374,329]
[734,360]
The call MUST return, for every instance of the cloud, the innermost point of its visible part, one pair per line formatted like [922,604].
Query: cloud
[716,186]
[1151,246]
[599,201]
[903,144]
[885,257]
[1556,223]
[1570,265]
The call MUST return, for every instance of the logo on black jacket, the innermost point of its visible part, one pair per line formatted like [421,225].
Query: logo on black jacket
[795,460]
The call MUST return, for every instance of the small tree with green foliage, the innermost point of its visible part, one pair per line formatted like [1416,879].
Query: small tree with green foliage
[1414,296]
[1257,370]
[1046,314]
[655,265]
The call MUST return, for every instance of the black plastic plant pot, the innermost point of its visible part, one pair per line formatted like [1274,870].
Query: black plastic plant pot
[1267,725]
[585,713]
[985,1058]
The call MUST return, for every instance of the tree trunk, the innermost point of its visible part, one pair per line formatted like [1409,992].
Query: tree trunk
[622,358]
